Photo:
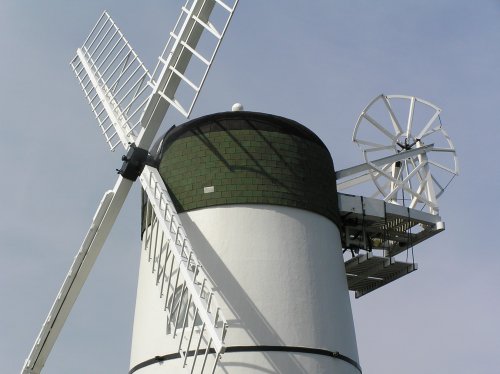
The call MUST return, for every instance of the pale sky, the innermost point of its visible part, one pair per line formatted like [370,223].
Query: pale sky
[318,63]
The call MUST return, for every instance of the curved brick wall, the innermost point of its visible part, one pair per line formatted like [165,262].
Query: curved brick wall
[247,158]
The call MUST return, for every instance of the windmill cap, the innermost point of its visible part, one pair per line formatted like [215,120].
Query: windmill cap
[247,158]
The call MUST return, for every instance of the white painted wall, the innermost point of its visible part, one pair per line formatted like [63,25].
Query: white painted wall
[281,281]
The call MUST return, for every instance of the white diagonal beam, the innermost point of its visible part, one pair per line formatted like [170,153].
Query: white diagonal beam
[99,230]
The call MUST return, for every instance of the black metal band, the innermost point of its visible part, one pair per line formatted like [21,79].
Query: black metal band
[257,348]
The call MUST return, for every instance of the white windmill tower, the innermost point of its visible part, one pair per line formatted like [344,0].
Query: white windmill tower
[255,270]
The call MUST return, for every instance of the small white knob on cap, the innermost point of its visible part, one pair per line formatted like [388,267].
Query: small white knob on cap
[237,107]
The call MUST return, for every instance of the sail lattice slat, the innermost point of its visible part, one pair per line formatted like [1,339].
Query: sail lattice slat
[193,314]
[195,38]
[114,81]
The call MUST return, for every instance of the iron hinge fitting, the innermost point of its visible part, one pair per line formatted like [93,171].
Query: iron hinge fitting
[134,162]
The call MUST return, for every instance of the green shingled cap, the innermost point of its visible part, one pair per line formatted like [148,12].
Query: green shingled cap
[247,158]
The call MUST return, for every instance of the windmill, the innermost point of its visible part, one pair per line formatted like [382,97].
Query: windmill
[259,247]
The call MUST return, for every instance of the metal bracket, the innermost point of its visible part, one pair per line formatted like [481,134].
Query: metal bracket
[134,162]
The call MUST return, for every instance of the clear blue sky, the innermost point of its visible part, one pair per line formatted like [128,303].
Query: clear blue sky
[316,62]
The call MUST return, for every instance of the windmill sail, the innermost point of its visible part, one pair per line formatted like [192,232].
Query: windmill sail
[102,223]
[114,81]
[181,278]
[129,106]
